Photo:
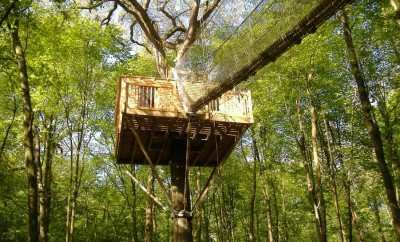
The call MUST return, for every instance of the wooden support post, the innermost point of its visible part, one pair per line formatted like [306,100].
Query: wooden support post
[181,214]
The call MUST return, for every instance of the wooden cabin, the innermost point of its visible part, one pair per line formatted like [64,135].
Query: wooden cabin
[152,108]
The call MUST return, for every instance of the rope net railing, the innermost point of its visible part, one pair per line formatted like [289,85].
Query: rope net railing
[232,46]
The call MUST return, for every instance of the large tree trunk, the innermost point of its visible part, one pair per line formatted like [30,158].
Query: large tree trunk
[371,125]
[180,195]
[31,167]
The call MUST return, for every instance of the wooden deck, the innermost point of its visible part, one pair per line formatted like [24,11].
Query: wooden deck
[151,107]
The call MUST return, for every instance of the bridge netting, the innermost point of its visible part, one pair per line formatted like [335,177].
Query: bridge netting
[234,44]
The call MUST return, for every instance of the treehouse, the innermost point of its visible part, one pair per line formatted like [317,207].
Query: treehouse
[150,118]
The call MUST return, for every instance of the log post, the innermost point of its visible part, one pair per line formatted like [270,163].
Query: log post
[181,214]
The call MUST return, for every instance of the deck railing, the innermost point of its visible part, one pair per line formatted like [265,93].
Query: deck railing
[159,97]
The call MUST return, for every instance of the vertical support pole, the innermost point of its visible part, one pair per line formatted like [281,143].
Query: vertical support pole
[181,216]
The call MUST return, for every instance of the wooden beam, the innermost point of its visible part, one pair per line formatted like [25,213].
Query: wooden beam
[155,199]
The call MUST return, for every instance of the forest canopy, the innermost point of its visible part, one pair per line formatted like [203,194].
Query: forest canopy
[320,163]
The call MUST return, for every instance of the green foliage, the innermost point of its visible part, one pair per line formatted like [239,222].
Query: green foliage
[73,65]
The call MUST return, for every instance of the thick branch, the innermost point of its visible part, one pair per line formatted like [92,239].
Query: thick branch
[192,30]
[135,41]
[209,10]
[140,14]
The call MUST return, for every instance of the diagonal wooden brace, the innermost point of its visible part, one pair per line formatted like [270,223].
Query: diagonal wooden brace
[155,199]
[152,166]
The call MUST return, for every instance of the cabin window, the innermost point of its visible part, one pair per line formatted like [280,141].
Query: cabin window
[214,105]
[146,96]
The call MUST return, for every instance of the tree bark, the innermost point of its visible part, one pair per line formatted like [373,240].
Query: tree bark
[180,194]
[149,212]
[133,214]
[330,157]
[199,216]
[313,197]
[318,176]
[371,125]
[8,129]
[349,209]
[182,222]
[31,167]
[256,160]
[75,169]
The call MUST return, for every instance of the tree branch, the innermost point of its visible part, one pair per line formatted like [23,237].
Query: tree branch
[107,19]
[135,41]
[209,10]
[192,30]
[7,12]
[95,5]
[140,14]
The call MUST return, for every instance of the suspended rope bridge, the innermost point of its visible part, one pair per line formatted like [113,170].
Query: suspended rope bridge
[268,30]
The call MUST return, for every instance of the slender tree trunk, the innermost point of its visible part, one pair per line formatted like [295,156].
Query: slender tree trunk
[206,230]
[256,160]
[375,210]
[302,144]
[269,213]
[371,125]
[349,209]
[8,129]
[76,171]
[31,167]
[358,228]
[133,214]
[330,157]
[318,175]
[149,213]
[45,182]
[284,216]
[200,214]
